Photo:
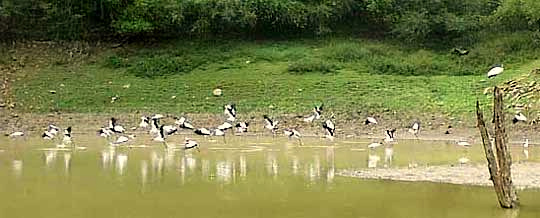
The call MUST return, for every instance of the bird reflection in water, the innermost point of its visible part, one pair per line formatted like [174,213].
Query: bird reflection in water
[157,164]
[17,168]
[295,165]
[50,158]
[107,157]
[224,171]
[67,162]
[243,166]
[373,159]
[272,165]
[314,169]
[331,170]
[144,173]
[388,155]
[205,168]
[121,163]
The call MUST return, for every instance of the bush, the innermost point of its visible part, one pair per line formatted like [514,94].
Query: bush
[312,66]
[348,52]
[163,66]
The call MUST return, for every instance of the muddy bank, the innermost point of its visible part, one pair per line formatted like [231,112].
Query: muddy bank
[524,175]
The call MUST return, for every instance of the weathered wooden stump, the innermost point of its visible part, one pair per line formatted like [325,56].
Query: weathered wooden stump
[500,162]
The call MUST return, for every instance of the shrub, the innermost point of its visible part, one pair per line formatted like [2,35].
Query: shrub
[163,66]
[312,66]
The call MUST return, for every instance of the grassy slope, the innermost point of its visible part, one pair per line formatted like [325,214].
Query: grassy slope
[353,87]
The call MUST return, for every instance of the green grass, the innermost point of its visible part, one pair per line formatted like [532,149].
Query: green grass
[351,76]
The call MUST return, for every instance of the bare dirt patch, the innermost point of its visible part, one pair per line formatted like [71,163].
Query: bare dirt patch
[524,175]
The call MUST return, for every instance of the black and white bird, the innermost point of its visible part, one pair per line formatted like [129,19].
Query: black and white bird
[16,134]
[449,130]
[51,132]
[122,140]
[225,126]
[105,132]
[230,112]
[203,132]
[242,126]
[495,70]
[293,133]
[460,51]
[370,120]
[415,128]
[67,140]
[317,111]
[375,145]
[389,135]
[190,143]
[329,128]
[519,117]
[161,137]
[183,123]
[113,125]
[270,124]
[154,126]
[145,122]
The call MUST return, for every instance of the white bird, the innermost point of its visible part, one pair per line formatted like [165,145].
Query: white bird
[157,116]
[203,132]
[270,124]
[225,126]
[105,132]
[293,133]
[230,112]
[51,132]
[463,160]
[370,120]
[115,127]
[526,143]
[495,70]
[389,135]
[183,123]
[154,126]
[145,121]
[464,143]
[16,134]
[317,111]
[519,117]
[123,139]
[242,126]
[415,128]
[169,130]
[330,129]
[190,143]
[161,137]
[67,140]
[375,145]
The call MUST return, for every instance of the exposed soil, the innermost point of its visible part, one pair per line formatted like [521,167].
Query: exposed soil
[524,175]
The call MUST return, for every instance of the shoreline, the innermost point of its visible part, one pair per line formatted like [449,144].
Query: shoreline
[524,175]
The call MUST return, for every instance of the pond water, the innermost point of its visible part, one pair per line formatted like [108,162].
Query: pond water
[246,177]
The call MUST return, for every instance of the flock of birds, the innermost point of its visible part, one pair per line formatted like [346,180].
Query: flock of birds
[160,132]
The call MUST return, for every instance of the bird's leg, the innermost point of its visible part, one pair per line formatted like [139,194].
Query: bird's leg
[224,141]
[300,141]
[199,150]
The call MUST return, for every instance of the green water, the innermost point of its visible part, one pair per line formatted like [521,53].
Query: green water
[247,177]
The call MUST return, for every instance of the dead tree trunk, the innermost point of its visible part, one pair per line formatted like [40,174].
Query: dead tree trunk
[499,164]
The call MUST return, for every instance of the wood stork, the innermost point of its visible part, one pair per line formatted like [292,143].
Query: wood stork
[230,112]
[495,70]
[16,134]
[242,127]
[317,111]
[415,128]
[519,117]
[115,127]
[293,133]
[329,128]
[190,143]
[375,145]
[203,132]
[270,124]
[183,123]
[105,132]
[225,126]
[51,132]
[67,140]
[122,140]
[161,137]
[169,129]
[526,144]
[370,120]
[464,143]
[154,126]
[389,135]
[145,122]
